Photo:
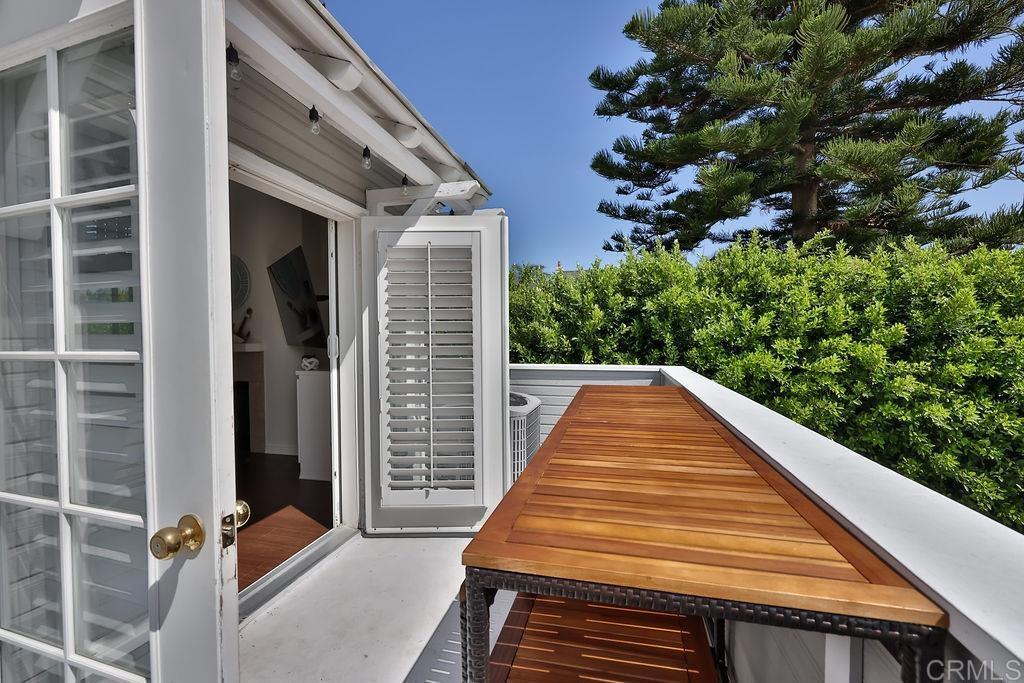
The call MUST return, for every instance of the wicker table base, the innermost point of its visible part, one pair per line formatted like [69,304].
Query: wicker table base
[920,648]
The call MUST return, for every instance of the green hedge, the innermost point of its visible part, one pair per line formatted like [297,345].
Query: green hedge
[910,356]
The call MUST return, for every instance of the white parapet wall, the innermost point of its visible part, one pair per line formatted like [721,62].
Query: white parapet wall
[970,565]
[556,385]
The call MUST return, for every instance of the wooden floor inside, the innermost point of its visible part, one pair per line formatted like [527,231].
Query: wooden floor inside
[288,512]
[270,482]
[264,545]
[552,639]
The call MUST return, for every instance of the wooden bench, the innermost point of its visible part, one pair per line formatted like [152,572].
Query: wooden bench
[545,640]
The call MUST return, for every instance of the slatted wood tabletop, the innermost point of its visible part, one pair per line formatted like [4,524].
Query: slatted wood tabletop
[642,487]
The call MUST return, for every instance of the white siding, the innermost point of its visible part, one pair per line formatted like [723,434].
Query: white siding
[556,385]
[266,120]
[770,654]
[879,665]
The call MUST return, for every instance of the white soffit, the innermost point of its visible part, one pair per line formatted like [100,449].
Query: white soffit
[308,25]
[265,47]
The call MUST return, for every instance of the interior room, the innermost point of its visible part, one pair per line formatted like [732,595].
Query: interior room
[280,321]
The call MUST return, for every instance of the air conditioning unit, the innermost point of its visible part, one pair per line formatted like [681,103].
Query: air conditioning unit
[524,418]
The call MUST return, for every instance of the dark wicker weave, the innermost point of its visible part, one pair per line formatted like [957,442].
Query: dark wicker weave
[917,644]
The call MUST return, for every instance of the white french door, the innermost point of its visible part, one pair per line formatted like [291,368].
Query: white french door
[437,370]
[114,382]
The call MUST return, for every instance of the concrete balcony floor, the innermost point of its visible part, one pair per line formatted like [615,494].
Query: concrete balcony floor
[363,614]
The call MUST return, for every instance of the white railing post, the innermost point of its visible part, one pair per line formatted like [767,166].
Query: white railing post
[844,659]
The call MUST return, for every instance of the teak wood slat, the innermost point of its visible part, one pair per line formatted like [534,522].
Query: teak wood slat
[549,640]
[642,487]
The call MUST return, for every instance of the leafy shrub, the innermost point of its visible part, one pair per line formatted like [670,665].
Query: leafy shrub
[909,355]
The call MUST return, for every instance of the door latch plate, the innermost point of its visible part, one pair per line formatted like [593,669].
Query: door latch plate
[227,531]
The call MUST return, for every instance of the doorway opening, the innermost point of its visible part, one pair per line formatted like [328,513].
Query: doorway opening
[281,303]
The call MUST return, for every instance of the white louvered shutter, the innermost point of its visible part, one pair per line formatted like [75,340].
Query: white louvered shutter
[429,350]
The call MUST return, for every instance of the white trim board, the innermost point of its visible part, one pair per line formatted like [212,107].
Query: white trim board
[252,170]
[349,371]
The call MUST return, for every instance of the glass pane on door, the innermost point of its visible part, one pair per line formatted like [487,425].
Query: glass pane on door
[103,267]
[30,545]
[19,665]
[108,467]
[28,428]
[24,125]
[86,677]
[111,589]
[97,97]
[26,284]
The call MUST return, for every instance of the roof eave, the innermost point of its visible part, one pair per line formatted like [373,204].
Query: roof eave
[372,67]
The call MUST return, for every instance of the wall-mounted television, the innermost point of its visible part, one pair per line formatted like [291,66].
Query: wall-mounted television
[297,300]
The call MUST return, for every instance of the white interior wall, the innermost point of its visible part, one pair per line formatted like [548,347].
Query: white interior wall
[263,229]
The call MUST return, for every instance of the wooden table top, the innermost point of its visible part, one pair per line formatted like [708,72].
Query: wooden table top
[642,487]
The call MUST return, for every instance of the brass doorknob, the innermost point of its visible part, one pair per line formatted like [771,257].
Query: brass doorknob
[167,542]
[243,513]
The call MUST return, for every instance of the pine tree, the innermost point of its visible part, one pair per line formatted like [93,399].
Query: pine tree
[826,115]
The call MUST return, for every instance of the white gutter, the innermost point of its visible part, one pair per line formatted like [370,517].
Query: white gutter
[330,38]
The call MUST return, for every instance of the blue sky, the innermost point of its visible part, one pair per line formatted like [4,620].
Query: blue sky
[506,84]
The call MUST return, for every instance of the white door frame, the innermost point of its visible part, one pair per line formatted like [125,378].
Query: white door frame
[263,175]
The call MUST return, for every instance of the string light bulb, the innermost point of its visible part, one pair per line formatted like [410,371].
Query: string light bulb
[314,121]
[367,159]
[405,186]
[234,73]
